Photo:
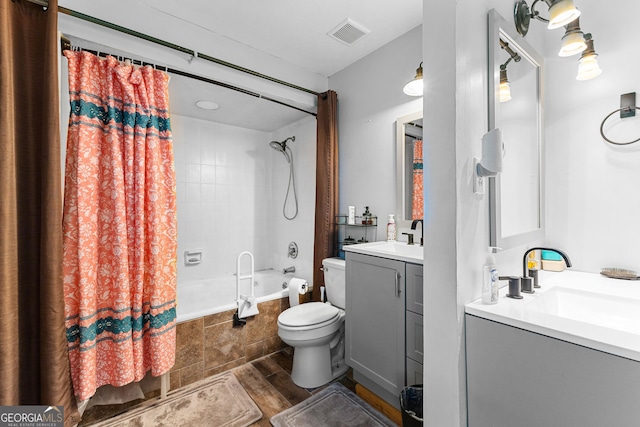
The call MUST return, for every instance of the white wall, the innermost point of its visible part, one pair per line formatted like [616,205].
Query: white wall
[457,226]
[593,202]
[370,99]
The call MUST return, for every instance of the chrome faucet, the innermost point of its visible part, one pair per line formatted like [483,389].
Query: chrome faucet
[291,269]
[526,279]
[414,224]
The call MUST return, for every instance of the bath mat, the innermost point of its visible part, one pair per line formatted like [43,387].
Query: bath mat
[216,401]
[335,406]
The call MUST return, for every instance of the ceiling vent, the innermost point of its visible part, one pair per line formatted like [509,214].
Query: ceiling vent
[348,32]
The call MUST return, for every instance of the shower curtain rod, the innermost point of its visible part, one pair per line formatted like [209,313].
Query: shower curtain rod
[65,44]
[73,13]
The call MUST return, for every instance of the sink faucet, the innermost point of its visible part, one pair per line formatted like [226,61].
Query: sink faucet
[414,224]
[525,274]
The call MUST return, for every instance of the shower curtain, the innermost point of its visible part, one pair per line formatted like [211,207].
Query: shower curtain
[417,209]
[34,362]
[119,224]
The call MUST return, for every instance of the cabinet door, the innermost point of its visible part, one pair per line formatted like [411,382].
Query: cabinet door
[375,320]
[414,288]
[415,337]
[414,372]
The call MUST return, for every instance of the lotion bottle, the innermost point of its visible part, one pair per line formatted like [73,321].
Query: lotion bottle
[490,289]
[391,229]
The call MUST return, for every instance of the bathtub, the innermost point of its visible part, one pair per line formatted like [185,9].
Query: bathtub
[200,298]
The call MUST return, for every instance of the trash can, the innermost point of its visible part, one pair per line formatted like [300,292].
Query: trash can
[411,406]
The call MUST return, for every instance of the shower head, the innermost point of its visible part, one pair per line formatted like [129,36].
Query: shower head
[278,146]
[282,147]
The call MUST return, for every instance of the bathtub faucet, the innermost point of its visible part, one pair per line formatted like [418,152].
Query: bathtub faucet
[291,269]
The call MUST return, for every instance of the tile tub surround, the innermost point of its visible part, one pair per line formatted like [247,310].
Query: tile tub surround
[209,345]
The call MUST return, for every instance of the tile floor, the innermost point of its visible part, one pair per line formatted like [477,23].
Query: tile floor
[267,380]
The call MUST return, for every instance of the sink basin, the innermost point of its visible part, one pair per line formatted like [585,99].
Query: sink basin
[608,311]
[393,250]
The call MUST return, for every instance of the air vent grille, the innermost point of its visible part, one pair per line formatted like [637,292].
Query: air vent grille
[348,32]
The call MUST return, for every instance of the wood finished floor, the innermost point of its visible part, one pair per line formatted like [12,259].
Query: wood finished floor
[268,381]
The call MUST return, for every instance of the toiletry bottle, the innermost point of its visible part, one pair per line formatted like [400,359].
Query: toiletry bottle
[532,262]
[391,229]
[490,289]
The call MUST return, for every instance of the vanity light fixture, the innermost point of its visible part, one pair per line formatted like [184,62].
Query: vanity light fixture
[416,86]
[561,12]
[573,40]
[588,67]
[505,86]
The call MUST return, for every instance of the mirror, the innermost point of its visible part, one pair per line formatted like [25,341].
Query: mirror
[516,195]
[409,184]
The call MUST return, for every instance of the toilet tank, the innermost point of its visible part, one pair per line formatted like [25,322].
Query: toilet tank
[334,281]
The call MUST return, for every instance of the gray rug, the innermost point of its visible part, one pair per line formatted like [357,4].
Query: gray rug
[217,401]
[335,406]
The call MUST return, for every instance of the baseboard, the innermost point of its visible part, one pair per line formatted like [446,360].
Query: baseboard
[379,404]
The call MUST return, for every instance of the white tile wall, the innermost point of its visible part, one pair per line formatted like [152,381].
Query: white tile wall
[231,186]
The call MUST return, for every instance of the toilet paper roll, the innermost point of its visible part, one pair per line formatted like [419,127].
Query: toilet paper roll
[297,287]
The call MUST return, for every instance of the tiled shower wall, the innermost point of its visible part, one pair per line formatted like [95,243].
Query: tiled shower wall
[231,186]
[223,176]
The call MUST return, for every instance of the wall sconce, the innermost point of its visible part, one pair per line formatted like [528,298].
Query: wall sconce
[491,163]
[561,12]
[588,67]
[416,86]
[573,40]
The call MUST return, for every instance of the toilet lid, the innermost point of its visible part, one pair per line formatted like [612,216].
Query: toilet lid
[311,313]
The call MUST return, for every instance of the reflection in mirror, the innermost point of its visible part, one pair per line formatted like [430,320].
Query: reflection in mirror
[409,180]
[516,195]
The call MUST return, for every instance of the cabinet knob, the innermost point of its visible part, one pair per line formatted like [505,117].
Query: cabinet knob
[398,285]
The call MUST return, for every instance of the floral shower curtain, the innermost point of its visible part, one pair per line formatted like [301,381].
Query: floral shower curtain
[417,208]
[119,224]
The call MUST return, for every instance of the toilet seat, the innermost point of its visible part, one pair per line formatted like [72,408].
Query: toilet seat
[313,315]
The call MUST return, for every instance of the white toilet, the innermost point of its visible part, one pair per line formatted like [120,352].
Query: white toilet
[316,331]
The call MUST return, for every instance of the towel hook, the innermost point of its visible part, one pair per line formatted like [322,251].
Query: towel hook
[627,109]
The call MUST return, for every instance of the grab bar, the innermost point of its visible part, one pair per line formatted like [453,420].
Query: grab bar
[246,304]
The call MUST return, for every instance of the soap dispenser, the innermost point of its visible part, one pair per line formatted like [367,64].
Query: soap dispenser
[490,289]
[391,229]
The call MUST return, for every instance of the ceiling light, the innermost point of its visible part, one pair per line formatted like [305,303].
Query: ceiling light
[505,86]
[207,105]
[573,40]
[588,67]
[416,86]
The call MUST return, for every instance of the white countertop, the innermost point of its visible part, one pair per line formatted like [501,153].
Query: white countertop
[399,251]
[582,308]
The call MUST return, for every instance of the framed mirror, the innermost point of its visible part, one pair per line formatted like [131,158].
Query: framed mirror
[516,195]
[409,167]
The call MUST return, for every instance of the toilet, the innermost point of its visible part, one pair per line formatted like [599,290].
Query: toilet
[315,330]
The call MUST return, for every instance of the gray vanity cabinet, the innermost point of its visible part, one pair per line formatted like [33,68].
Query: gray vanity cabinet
[379,290]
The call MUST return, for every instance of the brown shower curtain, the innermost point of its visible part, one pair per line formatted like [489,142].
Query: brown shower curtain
[326,185]
[34,363]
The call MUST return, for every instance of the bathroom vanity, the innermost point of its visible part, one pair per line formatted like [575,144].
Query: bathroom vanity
[384,338]
[567,355]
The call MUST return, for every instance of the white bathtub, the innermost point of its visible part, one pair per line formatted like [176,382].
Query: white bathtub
[204,297]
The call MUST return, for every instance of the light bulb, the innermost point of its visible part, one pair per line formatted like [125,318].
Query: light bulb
[572,44]
[505,91]
[562,13]
[588,67]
